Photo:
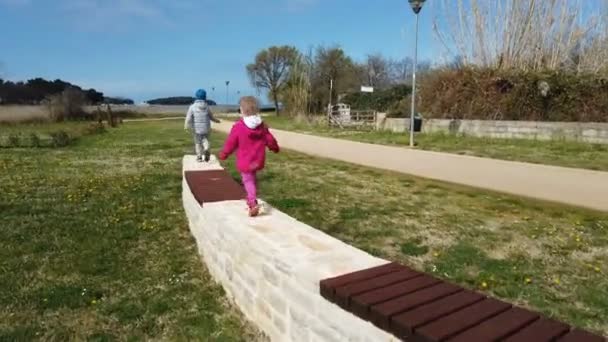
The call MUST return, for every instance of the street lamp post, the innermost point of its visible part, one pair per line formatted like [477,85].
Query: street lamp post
[331,90]
[416,7]
[227,90]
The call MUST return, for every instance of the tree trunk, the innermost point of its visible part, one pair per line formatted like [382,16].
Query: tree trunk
[275,97]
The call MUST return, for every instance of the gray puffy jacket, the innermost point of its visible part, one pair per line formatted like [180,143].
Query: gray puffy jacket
[199,117]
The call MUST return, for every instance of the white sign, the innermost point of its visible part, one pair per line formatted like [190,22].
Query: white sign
[367,89]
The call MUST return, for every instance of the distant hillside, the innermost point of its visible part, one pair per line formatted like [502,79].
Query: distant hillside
[34,91]
[176,100]
[118,101]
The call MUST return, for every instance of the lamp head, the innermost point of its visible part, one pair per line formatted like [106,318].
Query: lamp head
[416,5]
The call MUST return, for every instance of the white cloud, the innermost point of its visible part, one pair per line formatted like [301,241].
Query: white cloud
[113,14]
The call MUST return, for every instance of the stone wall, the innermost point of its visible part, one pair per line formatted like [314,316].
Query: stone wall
[271,267]
[585,132]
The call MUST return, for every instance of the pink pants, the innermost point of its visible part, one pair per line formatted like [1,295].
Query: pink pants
[251,187]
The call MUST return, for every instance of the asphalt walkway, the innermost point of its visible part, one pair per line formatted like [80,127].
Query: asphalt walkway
[577,187]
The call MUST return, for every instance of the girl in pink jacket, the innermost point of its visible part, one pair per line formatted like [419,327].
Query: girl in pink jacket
[250,137]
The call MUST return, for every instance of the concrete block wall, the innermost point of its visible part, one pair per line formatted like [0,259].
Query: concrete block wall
[271,267]
[590,132]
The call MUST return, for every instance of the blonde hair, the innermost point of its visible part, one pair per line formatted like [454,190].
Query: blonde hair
[249,105]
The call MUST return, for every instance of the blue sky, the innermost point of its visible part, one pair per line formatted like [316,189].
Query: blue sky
[149,48]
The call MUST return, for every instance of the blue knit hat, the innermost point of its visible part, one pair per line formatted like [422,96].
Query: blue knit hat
[201,94]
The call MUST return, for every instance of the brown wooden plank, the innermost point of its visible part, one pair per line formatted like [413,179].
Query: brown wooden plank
[328,286]
[344,293]
[381,313]
[420,308]
[361,304]
[578,335]
[459,321]
[498,327]
[404,324]
[213,186]
[543,330]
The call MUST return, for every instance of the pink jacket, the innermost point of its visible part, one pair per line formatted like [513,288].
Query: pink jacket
[250,146]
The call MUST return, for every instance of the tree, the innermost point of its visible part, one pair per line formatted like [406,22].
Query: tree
[401,70]
[529,35]
[377,71]
[35,90]
[67,105]
[295,93]
[332,65]
[271,70]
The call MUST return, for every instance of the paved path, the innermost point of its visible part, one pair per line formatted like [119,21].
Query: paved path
[583,188]
[155,119]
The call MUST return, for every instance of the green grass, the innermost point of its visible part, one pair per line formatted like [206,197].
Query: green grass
[105,214]
[94,244]
[558,152]
[46,134]
[543,256]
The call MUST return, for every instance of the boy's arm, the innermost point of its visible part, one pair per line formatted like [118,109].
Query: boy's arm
[188,124]
[212,117]
[230,145]
[271,142]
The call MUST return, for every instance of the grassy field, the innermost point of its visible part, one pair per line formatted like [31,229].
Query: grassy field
[45,134]
[548,257]
[105,215]
[560,153]
[94,244]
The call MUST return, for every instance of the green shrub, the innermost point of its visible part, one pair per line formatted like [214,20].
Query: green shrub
[95,128]
[14,139]
[35,140]
[488,94]
[60,138]
[381,100]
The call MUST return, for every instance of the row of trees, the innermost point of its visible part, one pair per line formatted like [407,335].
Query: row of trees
[301,81]
[35,91]
[517,42]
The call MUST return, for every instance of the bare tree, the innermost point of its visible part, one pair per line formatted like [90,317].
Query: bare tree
[66,105]
[271,70]
[524,34]
[377,71]
[400,70]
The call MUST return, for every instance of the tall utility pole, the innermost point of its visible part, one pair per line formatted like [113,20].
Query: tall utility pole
[416,7]
[227,91]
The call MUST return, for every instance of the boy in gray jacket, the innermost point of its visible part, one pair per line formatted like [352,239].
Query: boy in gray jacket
[199,119]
